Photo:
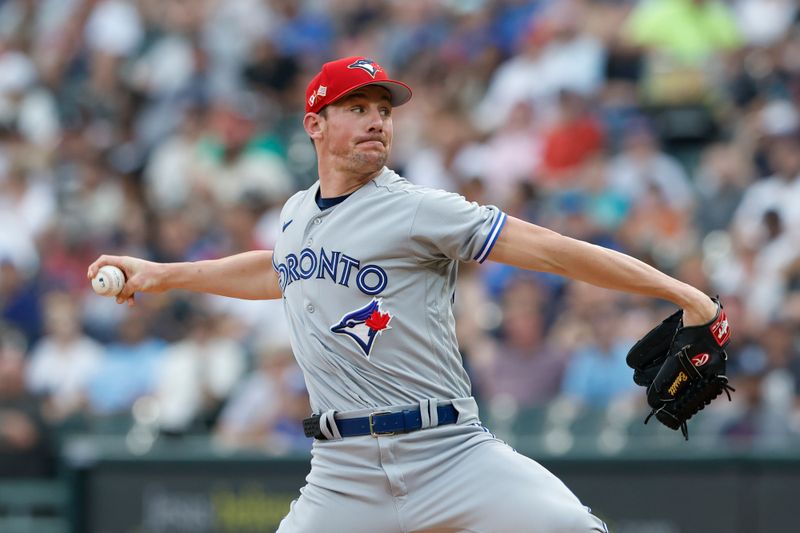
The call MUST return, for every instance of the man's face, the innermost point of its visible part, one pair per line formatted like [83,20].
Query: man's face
[356,130]
[784,158]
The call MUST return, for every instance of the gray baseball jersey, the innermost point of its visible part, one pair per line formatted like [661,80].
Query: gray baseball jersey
[368,287]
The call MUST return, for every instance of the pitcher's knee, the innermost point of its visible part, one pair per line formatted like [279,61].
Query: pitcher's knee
[571,519]
[547,517]
[583,521]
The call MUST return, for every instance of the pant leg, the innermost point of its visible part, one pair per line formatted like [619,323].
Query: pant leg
[461,478]
[346,492]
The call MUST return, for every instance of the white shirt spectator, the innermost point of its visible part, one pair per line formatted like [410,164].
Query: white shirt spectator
[768,289]
[166,68]
[32,202]
[255,171]
[17,73]
[771,194]
[264,319]
[248,20]
[510,156]
[764,22]
[574,64]
[169,175]
[190,372]
[520,79]
[37,118]
[31,108]
[631,177]
[114,28]
[255,409]
[429,169]
[61,370]
[17,244]
[253,406]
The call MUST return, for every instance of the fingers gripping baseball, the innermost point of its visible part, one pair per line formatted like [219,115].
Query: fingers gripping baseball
[140,275]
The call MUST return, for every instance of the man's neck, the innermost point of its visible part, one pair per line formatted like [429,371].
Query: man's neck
[334,183]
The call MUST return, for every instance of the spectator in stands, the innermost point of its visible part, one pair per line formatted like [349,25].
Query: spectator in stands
[555,54]
[287,435]
[690,31]
[572,141]
[113,32]
[790,308]
[720,179]
[764,249]
[526,367]
[92,202]
[267,409]
[440,163]
[24,440]
[782,380]
[24,102]
[606,207]
[26,204]
[143,127]
[196,375]
[27,194]
[272,71]
[661,198]
[776,252]
[764,22]
[780,192]
[234,162]
[589,209]
[177,236]
[64,361]
[642,166]
[597,373]
[19,297]
[128,368]
[172,178]
[517,79]
[573,59]
[760,416]
[512,155]
[681,39]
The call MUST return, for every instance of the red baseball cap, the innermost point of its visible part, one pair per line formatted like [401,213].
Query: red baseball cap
[339,77]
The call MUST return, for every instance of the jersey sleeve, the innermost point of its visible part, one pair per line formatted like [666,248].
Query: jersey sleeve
[447,225]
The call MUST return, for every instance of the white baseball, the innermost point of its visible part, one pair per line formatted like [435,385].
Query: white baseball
[108,281]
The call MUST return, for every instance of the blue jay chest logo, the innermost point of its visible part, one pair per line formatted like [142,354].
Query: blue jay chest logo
[364,325]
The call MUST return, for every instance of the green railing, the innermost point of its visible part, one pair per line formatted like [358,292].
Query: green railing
[34,506]
[192,485]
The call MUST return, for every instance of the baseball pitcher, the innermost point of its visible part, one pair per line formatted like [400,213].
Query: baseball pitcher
[366,265]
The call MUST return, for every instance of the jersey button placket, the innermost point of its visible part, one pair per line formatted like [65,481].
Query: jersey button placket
[310,240]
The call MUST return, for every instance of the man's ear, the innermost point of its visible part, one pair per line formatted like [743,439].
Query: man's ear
[313,124]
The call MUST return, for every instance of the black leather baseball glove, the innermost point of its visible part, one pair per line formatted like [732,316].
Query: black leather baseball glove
[683,368]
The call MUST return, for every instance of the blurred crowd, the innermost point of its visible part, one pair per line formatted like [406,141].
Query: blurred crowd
[171,130]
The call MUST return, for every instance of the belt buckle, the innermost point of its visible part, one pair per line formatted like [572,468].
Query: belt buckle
[372,425]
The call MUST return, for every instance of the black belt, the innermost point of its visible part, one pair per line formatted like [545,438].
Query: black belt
[380,423]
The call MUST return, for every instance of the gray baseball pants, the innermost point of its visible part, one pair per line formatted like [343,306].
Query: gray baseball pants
[446,479]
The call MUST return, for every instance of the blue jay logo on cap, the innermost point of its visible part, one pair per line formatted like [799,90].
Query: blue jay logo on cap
[367,65]
[364,325]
